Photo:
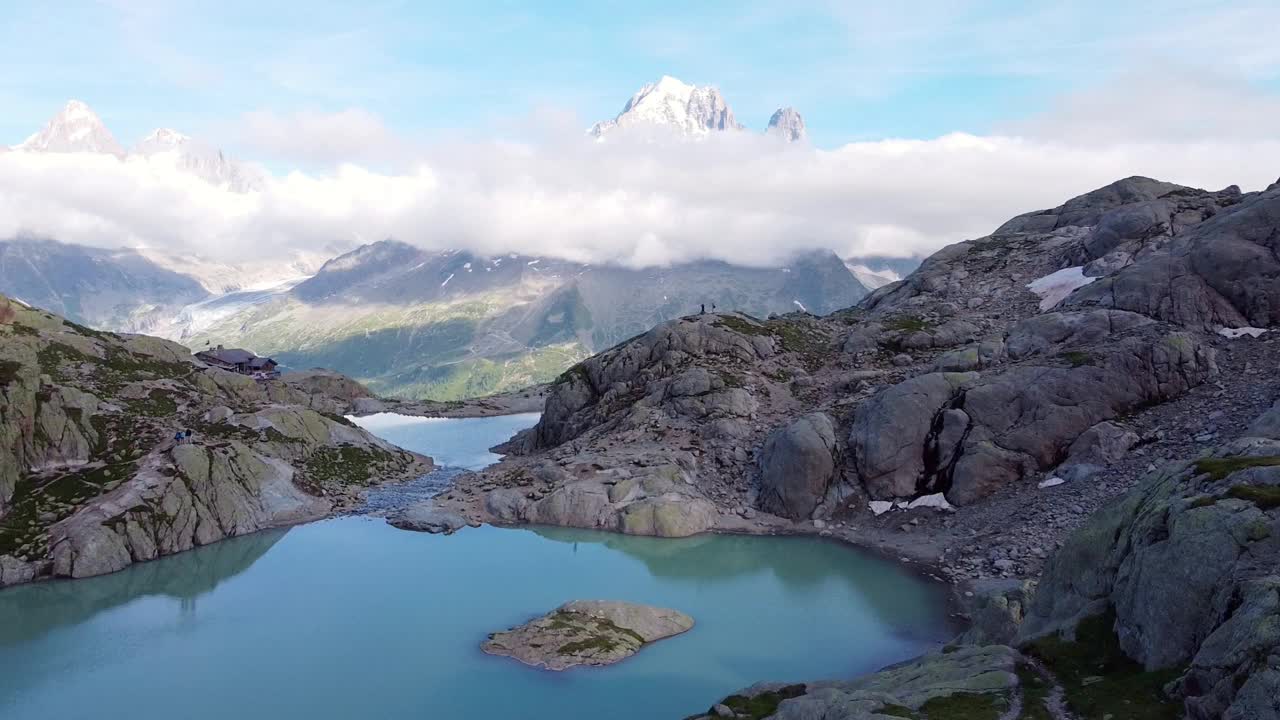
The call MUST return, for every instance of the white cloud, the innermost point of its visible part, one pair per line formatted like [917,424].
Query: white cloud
[322,139]
[1188,104]
[741,197]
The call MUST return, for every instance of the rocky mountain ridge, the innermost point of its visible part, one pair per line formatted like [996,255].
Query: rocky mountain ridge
[972,416]
[93,477]
[134,289]
[450,324]
[1163,605]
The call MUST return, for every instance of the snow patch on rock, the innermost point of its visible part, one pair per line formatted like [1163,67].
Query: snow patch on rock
[1055,287]
[937,500]
[1234,333]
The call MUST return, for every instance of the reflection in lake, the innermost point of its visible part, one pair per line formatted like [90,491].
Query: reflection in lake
[352,618]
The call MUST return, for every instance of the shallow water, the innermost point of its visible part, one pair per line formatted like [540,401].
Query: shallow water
[352,618]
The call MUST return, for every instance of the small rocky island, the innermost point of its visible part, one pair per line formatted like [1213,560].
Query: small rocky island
[587,632]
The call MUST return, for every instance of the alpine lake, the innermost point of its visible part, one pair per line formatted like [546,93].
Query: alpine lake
[352,618]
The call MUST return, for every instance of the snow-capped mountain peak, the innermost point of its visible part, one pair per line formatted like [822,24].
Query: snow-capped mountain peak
[76,128]
[161,140]
[671,104]
[787,124]
[168,146]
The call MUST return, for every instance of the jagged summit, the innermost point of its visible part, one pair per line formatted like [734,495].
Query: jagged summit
[691,111]
[669,103]
[76,128]
[160,140]
[165,145]
[787,124]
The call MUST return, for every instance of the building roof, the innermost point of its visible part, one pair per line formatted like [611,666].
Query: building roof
[260,362]
[230,356]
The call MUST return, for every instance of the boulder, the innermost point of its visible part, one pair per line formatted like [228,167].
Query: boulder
[1266,425]
[1051,332]
[797,465]
[668,517]
[1023,420]
[1101,445]
[591,392]
[996,609]
[889,432]
[426,517]
[1224,272]
[990,670]
[583,504]
[1187,564]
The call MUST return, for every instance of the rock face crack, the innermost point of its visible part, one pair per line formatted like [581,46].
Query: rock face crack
[944,445]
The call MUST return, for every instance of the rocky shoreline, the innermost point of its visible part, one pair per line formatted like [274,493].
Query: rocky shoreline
[116,449]
[986,418]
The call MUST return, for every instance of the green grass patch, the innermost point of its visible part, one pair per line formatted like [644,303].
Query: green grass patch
[762,705]
[1219,468]
[52,356]
[340,419]
[730,380]
[1100,680]
[9,372]
[965,706]
[39,502]
[1076,358]
[1266,497]
[897,711]
[346,465]
[600,643]
[1035,691]
[798,339]
[157,403]
[908,324]
[742,326]
[90,332]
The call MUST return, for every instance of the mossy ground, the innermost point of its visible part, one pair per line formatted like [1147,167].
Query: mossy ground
[1266,497]
[1076,358]
[157,404]
[9,372]
[965,706]
[762,705]
[908,323]
[1220,468]
[1035,691]
[592,633]
[38,502]
[1100,680]
[345,466]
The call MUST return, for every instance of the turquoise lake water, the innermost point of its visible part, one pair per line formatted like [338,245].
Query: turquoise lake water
[351,618]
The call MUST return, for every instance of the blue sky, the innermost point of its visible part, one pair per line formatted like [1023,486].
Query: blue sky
[461,125]
[856,70]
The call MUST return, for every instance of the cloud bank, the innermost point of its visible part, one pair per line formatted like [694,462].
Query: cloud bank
[737,197]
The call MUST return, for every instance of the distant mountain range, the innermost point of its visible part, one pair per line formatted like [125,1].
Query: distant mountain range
[450,324]
[77,128]
[413,322]
[690,111]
